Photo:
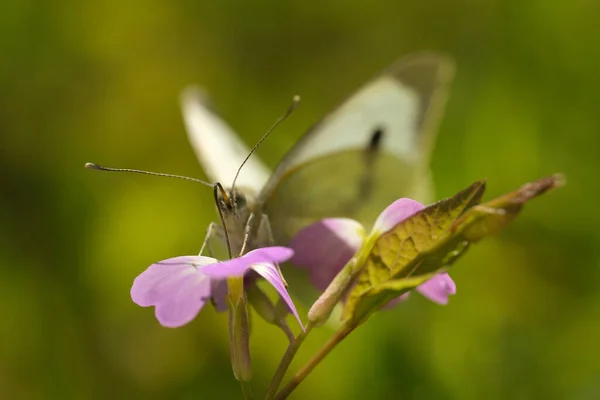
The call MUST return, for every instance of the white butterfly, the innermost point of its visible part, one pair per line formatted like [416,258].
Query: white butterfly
[371,150]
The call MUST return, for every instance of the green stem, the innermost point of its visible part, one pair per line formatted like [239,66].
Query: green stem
[285,362]
[239,332]
[246,390]
[288,332]
[313,362]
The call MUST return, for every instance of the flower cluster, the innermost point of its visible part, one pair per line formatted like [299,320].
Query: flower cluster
[180,287]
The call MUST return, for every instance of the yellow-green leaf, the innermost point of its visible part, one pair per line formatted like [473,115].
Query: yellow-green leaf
[421,246]
[488,218]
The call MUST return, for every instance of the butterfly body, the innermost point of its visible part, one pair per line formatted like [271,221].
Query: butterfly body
[242,220]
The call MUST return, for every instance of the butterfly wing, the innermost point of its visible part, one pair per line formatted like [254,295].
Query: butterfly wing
[219,150]
[370,151]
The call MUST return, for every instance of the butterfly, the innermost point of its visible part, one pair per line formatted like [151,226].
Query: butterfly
[369,151]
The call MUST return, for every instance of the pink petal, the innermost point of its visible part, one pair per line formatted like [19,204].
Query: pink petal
[263,262]
[394,302]
[176,287]
[218,294]
[438,288]
[271,274]
[239,266]
[395,213]
[325,247]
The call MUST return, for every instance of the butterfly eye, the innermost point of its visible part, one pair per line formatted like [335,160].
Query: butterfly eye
[240,200]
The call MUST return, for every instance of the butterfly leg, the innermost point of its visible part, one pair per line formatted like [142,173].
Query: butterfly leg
[247,230]
[213,230]
[265,226]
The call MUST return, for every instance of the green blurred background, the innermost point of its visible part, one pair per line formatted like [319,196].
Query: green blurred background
[99,81]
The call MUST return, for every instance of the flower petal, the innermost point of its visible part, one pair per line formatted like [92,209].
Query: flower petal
[271,274]
[219,294]
[325,247]
[438,288]
[395,213]
[395,301]
[148,287]
[239,266]
[184,302]
[176,287]
[273,255]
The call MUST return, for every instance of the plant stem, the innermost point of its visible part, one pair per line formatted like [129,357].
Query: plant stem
[285,362]
[246,390]
[313,362]
[288,332]
[239,332]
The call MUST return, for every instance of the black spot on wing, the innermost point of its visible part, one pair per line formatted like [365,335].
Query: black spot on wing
[365,182]
[376,139]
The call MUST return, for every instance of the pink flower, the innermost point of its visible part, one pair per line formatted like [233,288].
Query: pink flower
[179,287]
[324,247]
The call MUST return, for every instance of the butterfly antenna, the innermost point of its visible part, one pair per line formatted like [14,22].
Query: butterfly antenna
[217,188]
[290,110]
[137,171]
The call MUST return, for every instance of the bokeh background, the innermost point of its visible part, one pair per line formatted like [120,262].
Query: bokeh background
[99,81]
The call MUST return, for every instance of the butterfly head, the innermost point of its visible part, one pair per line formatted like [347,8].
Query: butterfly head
[235,209]
[236,203]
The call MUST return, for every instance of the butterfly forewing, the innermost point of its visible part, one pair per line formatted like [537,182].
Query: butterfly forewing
[370,151]
[219,149]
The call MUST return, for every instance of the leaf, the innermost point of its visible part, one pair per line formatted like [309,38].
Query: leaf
[431,240]
[488,218]
[394,250]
